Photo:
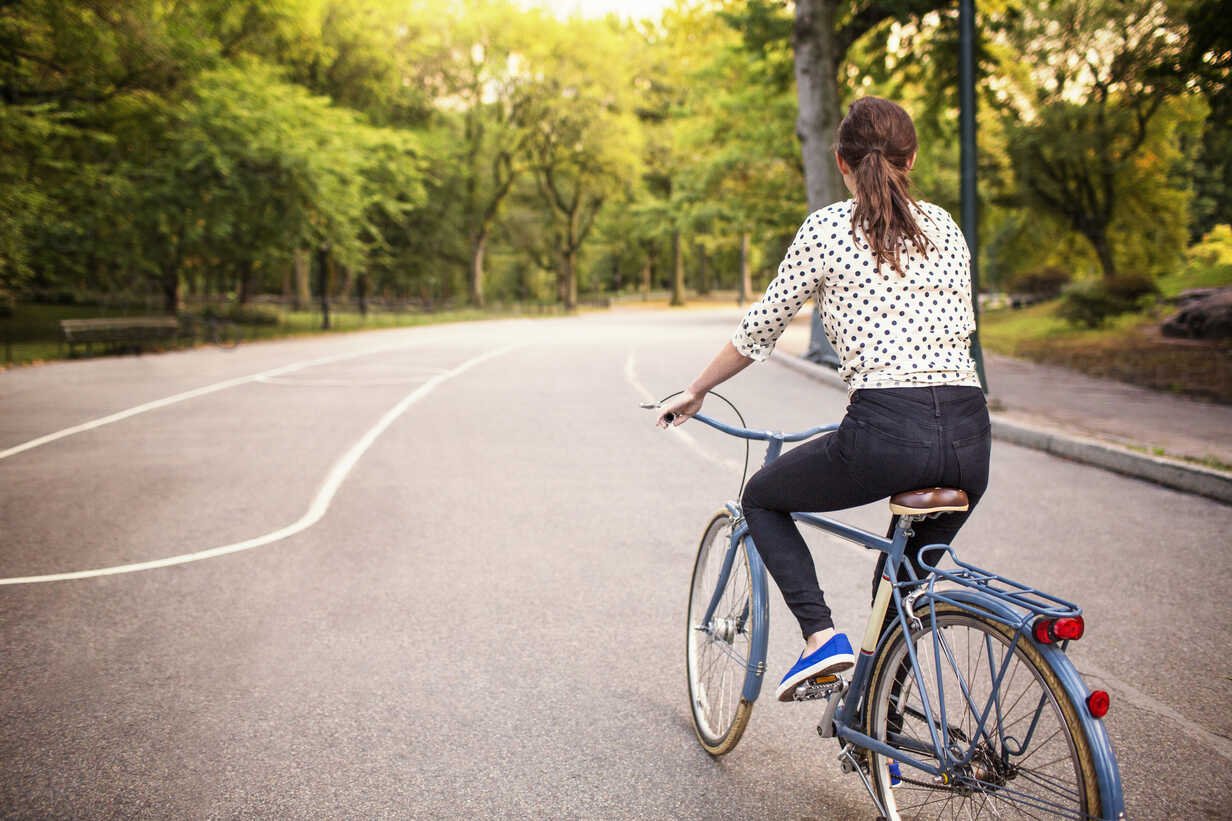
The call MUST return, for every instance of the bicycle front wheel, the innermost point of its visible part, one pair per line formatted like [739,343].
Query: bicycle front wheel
[998,708]
[719,649]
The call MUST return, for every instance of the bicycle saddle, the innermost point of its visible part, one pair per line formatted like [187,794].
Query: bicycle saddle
[929,500]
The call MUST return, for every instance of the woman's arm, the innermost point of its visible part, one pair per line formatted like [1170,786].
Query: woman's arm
[726,364]
[799,278]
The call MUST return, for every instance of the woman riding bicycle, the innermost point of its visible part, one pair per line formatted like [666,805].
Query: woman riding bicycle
[893,279]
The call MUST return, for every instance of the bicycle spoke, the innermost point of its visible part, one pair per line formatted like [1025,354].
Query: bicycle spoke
[979,679]
[1049,785]
[720,648]
[1036,749]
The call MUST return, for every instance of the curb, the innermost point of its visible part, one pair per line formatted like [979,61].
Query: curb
[1170,473]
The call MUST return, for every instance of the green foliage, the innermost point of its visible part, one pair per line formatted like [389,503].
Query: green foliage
[154,151]
[1046,282]
[1208,264]
[1091,303]
[243,314]
[1099,130]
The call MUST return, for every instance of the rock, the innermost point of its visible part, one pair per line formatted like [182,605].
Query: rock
[1202,315]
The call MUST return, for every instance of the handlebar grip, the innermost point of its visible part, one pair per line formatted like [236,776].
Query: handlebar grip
[669,418]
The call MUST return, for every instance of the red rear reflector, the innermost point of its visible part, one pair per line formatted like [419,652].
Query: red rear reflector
[1098,703]
[1068,628]
[1050,631]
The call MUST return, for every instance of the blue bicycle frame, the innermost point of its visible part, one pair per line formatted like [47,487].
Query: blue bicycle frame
[1013,604]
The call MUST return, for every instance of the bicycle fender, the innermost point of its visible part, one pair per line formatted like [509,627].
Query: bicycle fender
[760,602]
[1108,774]
[1112,800]
[761,633]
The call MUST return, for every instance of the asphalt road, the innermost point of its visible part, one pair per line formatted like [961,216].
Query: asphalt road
[441,572]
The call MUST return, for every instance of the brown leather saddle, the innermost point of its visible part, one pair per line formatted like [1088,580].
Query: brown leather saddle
[929,500]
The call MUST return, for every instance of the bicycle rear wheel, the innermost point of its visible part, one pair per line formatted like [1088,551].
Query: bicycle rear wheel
[1006,715]
[718,651]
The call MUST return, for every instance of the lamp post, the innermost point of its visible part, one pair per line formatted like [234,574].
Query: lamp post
[968,193]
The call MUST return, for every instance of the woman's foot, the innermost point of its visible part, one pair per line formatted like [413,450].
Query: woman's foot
[831,656]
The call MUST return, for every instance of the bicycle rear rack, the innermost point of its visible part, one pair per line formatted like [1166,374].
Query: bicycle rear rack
[1035,603]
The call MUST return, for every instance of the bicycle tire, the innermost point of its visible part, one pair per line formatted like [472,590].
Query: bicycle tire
[1063,783]
[716,666]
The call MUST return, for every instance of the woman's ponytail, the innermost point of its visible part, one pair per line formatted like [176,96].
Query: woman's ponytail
[877,141]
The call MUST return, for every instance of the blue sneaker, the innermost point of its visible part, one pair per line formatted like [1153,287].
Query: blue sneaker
[831,657]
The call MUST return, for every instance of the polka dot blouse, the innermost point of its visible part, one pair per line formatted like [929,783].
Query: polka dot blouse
[889,330]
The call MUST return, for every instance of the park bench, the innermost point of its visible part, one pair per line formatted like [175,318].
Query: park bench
[119,333]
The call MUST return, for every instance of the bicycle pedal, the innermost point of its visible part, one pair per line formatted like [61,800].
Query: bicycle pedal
[817,687]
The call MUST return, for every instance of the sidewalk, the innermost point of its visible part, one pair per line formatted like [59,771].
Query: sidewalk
[1117,426]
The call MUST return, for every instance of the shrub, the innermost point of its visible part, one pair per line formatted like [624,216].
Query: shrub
[1093,302]
[1087,303]
[243,314]
[1131,288]
[1042,282]
[253,315]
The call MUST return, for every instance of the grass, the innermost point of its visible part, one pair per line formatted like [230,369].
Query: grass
[1128,348]
[1005,330]
[1205,461]
[32,334]
[1195,276]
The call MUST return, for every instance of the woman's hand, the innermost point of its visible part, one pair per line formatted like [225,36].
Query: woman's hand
[683,406]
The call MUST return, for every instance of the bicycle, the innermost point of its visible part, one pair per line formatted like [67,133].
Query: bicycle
[963,704]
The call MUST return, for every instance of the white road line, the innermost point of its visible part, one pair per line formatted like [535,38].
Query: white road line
[193,394]
[676,432]
[348,383]
[320,504]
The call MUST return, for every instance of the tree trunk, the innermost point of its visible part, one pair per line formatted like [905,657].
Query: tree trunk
[348,283]
[647,270]
[703,276]
[816,65]
[302,296]
[245,284]
[746,286]
[361,292]
[171,289]
[479,246]
[817,55]
[569,279]
[1099,241]
[677,270]
[323,283]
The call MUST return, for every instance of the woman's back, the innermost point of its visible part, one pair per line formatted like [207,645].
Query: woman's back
[892,328]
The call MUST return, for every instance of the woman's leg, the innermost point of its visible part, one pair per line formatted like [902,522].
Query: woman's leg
[810,477]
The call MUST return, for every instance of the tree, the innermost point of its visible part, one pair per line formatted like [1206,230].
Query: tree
[821,32]
[1089,100]
[475,64]
[584,143]
[1208,58]
[252,168]
[744,174]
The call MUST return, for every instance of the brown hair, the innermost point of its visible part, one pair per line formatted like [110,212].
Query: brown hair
[877,140]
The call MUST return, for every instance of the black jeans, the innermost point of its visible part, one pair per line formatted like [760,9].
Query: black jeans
[891,440]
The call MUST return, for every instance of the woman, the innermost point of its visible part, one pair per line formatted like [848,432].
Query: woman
[893,279]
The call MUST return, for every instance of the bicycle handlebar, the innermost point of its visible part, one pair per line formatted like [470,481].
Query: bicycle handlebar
[761,435]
